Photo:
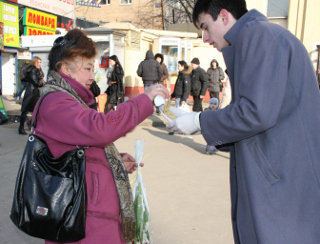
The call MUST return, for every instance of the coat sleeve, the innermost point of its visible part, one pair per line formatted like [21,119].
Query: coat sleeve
[120,90]
[186,87]
[165,73]
[204,81]
[221,74]
[64,119]
[139,70]
[33,78]
[260,92]
[209,75]
[159,71]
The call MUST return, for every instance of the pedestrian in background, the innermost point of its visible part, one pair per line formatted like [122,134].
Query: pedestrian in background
[115,90]
[22,80]
[165,73]
[182,86]
[271,126]
[149,70]
[34,78]
[65,122]
[215,77]
[199,83]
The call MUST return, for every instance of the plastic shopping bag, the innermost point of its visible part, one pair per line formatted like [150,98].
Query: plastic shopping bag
[141,207]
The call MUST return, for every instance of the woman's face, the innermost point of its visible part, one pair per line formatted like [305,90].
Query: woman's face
[82,70]
[38,64]
[159,60]
[112,62]
[180,67]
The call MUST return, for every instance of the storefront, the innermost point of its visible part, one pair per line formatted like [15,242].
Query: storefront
[9,19]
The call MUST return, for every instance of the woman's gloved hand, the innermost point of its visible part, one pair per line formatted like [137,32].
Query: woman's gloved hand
[186,124]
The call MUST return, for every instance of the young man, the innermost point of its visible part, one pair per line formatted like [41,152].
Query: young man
[199,84]
[271,126]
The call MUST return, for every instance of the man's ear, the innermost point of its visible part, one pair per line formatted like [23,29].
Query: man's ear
[224,15]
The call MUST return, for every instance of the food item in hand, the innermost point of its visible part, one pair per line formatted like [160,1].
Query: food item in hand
[167,110]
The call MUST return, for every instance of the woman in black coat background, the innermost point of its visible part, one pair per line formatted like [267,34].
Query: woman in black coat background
[115,90]
[183,84]
[34,78]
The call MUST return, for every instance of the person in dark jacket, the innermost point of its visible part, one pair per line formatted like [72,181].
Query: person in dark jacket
[181,90]
[150,70]
[115,89]
[165,73]
[95,89]
[199,80]
[34,78]
[215,76]
[22,76]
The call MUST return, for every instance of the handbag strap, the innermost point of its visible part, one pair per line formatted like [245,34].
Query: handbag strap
[34,123]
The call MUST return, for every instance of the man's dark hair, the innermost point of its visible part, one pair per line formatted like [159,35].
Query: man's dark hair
[159,55]
[183,63]
[213,7]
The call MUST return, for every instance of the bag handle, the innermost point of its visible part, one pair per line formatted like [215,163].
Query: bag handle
[34,123]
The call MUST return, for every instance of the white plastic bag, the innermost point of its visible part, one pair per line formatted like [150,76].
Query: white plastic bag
[141,206]
[185,107]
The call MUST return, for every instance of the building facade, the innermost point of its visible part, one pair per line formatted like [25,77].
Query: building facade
[142,14]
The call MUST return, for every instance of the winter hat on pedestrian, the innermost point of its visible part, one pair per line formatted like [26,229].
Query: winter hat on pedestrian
[195,61]
[213,100]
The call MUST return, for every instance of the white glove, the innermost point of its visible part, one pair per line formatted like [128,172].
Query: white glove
[186,124]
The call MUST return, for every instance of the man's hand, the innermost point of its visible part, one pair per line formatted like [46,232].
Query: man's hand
[130,163]
[185,124]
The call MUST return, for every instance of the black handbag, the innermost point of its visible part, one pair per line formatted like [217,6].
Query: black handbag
[50,193]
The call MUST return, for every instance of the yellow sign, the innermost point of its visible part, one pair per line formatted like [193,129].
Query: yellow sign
[9,15]
[30,31]
[39,19]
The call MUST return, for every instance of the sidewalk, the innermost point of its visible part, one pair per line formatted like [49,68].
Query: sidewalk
[13,110]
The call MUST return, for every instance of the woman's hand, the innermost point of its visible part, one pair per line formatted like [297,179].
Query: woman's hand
[130,163]
[157,89]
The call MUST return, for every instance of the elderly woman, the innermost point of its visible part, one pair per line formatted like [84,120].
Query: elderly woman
[64,123]
[34,78]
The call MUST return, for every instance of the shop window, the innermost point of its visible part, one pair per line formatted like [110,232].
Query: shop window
[105,2]
[278,12]
[125,2]
[170,54]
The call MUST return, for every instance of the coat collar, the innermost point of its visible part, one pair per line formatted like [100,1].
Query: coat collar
[68,84]
[232,35]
